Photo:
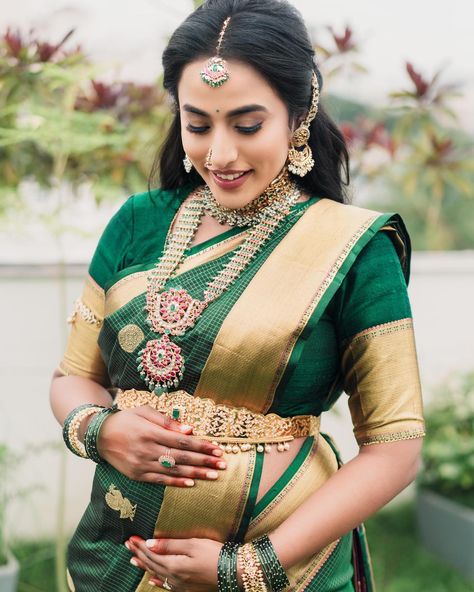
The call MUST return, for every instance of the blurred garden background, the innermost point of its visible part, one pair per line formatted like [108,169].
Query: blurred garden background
[82,112]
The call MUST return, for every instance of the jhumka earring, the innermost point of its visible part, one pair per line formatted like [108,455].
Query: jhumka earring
[208,163]
[188,165]
[300,157]
[215,71]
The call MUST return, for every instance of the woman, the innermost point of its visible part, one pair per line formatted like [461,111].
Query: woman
[224,312]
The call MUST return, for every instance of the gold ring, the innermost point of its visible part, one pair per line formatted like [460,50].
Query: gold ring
[167,585]
[167,460]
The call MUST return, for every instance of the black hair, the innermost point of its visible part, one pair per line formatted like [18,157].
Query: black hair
[270,36]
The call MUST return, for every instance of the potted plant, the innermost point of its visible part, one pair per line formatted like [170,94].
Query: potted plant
[9,567]
[445,494]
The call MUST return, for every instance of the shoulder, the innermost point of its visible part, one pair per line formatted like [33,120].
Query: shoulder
[135,233]
[365,233]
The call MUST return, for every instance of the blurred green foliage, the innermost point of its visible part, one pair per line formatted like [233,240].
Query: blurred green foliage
[60,124]
[411,156]
[448,452]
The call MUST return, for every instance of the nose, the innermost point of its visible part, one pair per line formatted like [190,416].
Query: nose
[224,151]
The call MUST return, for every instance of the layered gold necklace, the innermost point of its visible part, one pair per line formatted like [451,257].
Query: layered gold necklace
[174,311]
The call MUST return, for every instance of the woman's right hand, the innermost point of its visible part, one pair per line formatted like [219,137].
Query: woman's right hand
[132,440]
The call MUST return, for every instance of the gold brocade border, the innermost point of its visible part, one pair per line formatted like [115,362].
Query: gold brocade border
[210,509]
[136,283]
[251,351]
[317,468]
[382,329]
[82,356]
[394,437]
[380,369]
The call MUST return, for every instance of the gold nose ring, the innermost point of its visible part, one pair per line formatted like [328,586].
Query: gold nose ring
[208,162]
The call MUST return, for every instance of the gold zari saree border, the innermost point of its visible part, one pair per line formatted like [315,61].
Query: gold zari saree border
[285,292]
[381,375]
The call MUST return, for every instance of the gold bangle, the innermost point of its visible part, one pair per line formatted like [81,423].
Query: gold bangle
[74,430]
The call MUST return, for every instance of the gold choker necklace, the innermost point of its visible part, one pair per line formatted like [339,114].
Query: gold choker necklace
[251,213]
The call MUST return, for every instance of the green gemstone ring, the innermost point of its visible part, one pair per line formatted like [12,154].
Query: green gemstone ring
[166,460]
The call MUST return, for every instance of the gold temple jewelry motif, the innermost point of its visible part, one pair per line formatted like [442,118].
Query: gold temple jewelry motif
[250,214]
[252,573]
[300,158]
[215,72]
[236,429]
[174,311]
[85,313]
[115,500]
[130,337]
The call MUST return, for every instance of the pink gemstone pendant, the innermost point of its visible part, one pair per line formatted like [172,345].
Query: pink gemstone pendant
[173,312]
[161,364]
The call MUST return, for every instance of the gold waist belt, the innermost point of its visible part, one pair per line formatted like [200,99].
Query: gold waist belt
[234,428]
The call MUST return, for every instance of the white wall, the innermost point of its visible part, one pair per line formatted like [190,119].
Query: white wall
[32,321]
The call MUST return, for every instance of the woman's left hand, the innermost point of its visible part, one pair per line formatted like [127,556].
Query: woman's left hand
[188,565]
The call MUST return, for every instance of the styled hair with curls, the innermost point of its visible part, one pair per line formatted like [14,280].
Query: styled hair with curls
[270,36]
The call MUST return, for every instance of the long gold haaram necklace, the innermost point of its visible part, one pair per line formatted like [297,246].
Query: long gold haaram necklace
[172,312]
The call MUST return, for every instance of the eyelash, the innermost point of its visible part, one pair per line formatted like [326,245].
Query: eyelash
[243,130]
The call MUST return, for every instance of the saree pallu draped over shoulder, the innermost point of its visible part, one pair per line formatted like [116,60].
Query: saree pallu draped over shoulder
[236,356]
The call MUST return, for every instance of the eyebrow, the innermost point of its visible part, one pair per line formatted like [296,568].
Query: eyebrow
[233,113]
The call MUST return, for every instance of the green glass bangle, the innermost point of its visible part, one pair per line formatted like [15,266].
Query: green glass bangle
[92,433]
[272,568]
[227,568]
[67,422]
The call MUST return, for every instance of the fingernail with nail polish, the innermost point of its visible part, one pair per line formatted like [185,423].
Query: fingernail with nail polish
[127,544]
[221,465]
[189,482]
[134,562]
[212,474]
[150,543]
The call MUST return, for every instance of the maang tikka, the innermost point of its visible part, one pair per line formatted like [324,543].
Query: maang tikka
[215,71]
[300,157]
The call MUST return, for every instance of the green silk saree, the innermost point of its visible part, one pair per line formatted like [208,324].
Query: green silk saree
[322,309]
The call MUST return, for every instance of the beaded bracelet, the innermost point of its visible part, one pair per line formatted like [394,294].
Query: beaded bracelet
[227,568]
[252,574]
[72,424]
[272,568]
[92,433]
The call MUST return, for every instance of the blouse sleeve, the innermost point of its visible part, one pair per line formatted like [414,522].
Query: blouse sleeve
[378,354]
[82,356]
